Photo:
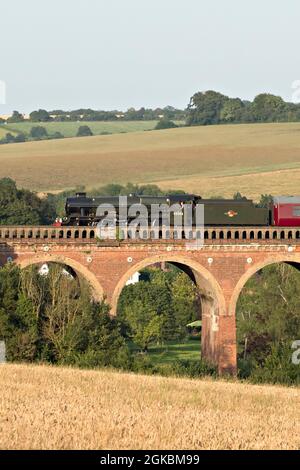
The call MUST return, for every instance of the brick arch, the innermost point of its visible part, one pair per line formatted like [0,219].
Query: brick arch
[97,289]
[213,304]
[295,258]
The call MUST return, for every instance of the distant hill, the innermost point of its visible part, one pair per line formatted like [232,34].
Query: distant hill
[208,160]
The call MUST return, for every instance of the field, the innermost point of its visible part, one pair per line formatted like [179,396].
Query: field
[211,161]
[166,354]
[55,408]
[69,129]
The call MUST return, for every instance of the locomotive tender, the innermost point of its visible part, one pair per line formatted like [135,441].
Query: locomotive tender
[81,210]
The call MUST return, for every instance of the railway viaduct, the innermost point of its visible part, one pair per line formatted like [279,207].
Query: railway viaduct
[220,266]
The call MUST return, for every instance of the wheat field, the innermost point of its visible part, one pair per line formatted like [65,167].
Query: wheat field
[211,160]
[43,407]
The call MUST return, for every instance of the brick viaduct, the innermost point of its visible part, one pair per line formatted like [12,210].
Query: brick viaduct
[220,267]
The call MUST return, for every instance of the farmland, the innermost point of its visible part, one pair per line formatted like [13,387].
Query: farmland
[44,407]
[69,129]
[211,161]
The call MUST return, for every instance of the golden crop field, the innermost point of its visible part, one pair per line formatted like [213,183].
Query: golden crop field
[43,407]
[211,161]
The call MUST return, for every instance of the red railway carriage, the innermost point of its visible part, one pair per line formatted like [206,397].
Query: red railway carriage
[286,211]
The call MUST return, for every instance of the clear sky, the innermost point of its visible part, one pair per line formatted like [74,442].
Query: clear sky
[113,54]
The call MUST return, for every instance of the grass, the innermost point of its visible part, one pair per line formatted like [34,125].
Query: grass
[69,129]
[174,351]
[43,407]
[210,161]
[4,131]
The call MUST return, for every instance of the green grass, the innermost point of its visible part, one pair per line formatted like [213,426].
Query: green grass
[174,351]
[69,129]
[4,130]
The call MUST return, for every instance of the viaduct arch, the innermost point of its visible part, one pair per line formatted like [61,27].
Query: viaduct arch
[212,299]
[79,269]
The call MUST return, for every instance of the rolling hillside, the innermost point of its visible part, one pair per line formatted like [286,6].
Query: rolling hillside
[44,407]
[69,129]
[211,161]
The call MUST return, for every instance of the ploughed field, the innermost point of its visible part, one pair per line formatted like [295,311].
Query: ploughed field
[210,161]
[43,407]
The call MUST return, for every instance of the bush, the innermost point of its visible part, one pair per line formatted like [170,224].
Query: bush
[277,368]
[165,124]
[84,131]
[38,133]
[20,138]
[192,369]
[57,135]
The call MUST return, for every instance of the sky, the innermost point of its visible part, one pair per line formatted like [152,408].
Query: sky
[115,54]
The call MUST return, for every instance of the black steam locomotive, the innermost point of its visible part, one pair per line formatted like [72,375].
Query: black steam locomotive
[82,210]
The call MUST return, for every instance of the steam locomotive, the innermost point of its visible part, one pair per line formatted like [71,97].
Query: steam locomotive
[81,210]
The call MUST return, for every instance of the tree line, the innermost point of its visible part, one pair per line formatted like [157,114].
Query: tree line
[132,114]
[204,108]
[211,107]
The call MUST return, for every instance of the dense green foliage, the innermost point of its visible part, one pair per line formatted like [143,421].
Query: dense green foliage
[158,308]
[15,117]
[40,116]
[268,322]
[210,107]
[165,124]
[49,318]
[22,207]
[84,131]
[38,133]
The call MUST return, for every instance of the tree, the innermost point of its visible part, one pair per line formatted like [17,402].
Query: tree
[185,301]
[268,321]
[49,318]
[205,108]
[84,131]
[232,110]
[269,108]
[265,200]
[38,133]
[9,138]
[22,207]
[144,322]
[16,117]
[239,197]
[165,124]
[18,324]
[20,138]
[57,135]
[40,116]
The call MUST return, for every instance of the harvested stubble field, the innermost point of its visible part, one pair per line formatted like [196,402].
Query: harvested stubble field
[212,160]
[59,408]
